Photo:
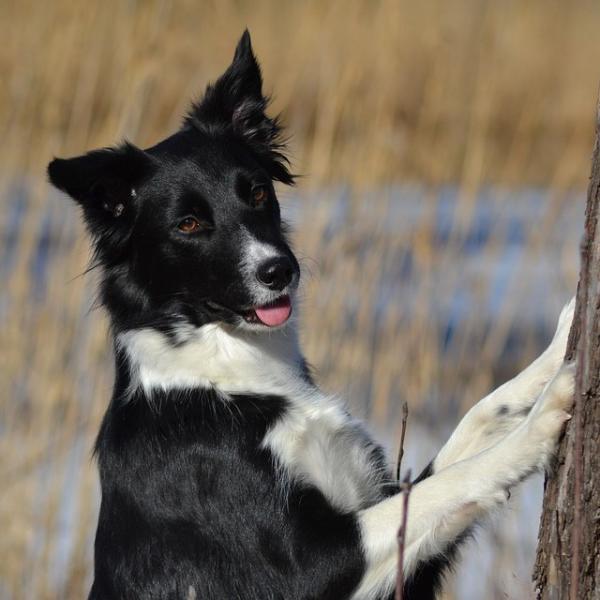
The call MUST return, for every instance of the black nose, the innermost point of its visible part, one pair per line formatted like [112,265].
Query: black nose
[276,273]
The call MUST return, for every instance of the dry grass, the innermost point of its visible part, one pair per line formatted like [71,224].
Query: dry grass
[437,91]
[467,92]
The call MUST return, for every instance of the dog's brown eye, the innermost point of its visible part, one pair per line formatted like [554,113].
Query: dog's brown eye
[189,225]
[259,195]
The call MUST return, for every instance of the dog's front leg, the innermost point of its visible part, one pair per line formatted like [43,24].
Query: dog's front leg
[447,504]
[505,408]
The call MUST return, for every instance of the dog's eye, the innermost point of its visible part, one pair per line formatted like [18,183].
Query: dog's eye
[259,195]
[189,225]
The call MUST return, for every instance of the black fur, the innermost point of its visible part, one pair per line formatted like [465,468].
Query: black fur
[190,499]
[192,505]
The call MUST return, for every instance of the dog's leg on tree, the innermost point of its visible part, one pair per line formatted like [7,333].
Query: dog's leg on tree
[445,505]
[505,408]
[568,558]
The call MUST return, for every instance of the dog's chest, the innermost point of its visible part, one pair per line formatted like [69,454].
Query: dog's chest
[319,444]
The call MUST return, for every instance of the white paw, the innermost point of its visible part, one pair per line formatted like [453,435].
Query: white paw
[552,409]
[558,345]
[550,362]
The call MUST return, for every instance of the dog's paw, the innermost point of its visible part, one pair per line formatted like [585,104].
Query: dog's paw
[566,316]
[558,345]
[552,409]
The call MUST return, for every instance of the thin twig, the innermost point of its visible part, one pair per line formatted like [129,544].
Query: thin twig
[402,434]
[405,489]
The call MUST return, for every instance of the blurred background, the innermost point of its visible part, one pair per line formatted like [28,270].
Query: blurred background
[444,150]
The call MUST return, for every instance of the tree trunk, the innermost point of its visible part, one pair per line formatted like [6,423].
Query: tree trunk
[568,556]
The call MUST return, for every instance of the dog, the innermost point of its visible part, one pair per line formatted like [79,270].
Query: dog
[226,473]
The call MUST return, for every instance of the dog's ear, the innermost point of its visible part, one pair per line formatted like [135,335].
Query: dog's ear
[103,183]
[235,101]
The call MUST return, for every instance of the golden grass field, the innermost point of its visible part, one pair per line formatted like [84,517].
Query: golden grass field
[432,95]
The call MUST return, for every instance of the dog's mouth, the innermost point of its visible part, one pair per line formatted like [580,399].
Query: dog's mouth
[273,314]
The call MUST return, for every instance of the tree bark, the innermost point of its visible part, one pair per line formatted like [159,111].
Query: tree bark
[568,556]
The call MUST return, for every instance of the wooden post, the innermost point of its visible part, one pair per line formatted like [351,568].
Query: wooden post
[568,557]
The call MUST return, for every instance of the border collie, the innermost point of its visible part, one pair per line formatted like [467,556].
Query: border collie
[226,473]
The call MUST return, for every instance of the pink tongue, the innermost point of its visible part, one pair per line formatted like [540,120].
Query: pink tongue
[274,314]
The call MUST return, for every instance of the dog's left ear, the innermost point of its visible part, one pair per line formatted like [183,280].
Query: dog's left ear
[236,101]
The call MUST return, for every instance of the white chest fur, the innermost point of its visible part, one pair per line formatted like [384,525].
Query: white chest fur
[315,441]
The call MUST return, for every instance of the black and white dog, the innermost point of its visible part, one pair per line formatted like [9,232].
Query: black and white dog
[226,473]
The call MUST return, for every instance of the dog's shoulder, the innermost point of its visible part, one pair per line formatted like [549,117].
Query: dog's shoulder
[316,441]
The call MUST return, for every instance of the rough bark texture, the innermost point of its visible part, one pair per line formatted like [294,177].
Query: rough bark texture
[568,558]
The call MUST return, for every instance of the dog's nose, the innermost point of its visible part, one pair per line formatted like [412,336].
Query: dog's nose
[276,273]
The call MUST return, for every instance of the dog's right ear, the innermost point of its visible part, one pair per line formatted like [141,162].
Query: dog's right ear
[103,183]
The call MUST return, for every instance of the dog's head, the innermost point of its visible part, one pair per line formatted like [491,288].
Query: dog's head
[190,230]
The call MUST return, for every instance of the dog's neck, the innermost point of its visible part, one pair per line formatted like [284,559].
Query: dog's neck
[214,356]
